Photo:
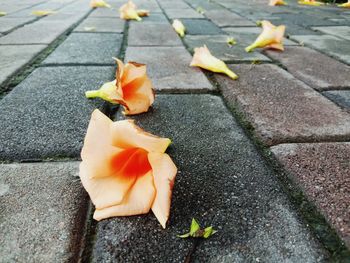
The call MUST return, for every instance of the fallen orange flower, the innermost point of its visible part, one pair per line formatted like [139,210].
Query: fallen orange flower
[99,3]
[128,12]
[204,59]
[142,12]
[346,5]
[310,2]
[125,170]
[276,2]
[131,88]
[270,37]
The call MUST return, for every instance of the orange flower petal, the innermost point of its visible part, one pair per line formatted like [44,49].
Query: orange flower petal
[137,201]
[142,12]
[125,134]
[164,172]
[276,2]
[128,11]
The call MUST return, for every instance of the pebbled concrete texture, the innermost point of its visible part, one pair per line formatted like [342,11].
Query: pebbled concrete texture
[322,171]
[340,97]
[281,108]
[224,18]
[223,182]
[87,48]
[182,13]
[339,31]
[314,68]
[7,24]
[111,25]
[169,70]
[43,211]
[201,27]
[46,116]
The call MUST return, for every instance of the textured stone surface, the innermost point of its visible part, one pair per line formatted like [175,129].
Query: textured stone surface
[282,108]
[331,45]
[169,69]
[152,34]
[7,24]
[43,209]
[201,27]
[173,4]
[322,171]
[115,25]
[227,18]
[218,47]
[87,48]
[104,12]
[47,114]
[223,182]
[341,97]
[339,31]
[305,64]
[183,13]
[13,58]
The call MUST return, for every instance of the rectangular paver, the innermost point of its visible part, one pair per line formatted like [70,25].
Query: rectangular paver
[339,31]
[341,97]
[114,25]
[183,13]
[7,24]
[169,68]
[223,182]
[226,18]
[322,171]
[305,64]
[43,212]
[152,34]
[87,48]
[201,27]
[47,114]
[282,108]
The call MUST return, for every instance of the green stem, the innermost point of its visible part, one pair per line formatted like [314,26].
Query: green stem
[92,94]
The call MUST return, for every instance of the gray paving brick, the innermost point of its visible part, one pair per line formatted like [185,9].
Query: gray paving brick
[7,24]
[227,18]
[339,31]
[153,17]
[304,63]
[104,12]
[341,97]
[114,25]
[331,45]
[15,57]
[174,4]
[223,182]
[282,108]
[201,27]
[153,34]
[321,170]
[43,210]
[169,68]
[205,5]
[87,48]
[219,48]
[183,13]
[47,114]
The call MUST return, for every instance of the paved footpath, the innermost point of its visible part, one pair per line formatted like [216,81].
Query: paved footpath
[263,159]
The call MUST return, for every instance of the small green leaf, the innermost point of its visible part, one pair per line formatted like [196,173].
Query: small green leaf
[184,235]
[194,227]
[231,41]
[209,231]
[200,10]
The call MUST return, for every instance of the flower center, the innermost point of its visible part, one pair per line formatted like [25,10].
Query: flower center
[131,162]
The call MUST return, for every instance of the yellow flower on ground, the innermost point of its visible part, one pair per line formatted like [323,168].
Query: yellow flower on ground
[3,13]
[132,88]
[310,2]
[270,37]
[277,2]
[179,27]
[43,12]
[125,170]
[204,59]
[99,3]
[128,12]
[346,5]
[142,12]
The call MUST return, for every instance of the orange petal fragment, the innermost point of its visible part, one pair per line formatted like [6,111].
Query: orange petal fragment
[310,2]
[142,12]
[276,2]
[164,172]
[99,3]
[346,5]
[43,12]
[128,11]
[204,59]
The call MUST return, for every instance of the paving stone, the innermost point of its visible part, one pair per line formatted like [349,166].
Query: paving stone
[223,182]
[13,58]
[303,19]
[322,172]
[201,27]
[226,18]
[43,211]
[46,116]
[205,5]
[152,34]
[151,5]
[114,25]
[219,48]
[174,4]
[330,45]
[304,63]
[87,48]
[281,108]
[339,31]
[105,12]
[183,13]
[341,97]
[153,17]
[36,33]
[169,68]
[7,24]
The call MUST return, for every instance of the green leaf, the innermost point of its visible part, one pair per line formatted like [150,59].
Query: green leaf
[184,235]
[194,227]
[209,231]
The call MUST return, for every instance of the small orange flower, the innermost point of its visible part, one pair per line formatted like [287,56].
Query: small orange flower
[125,170]
[276,2]
[132,89]
[128,11]
[204,59]
[99,3]
[310,2]
[270,37]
